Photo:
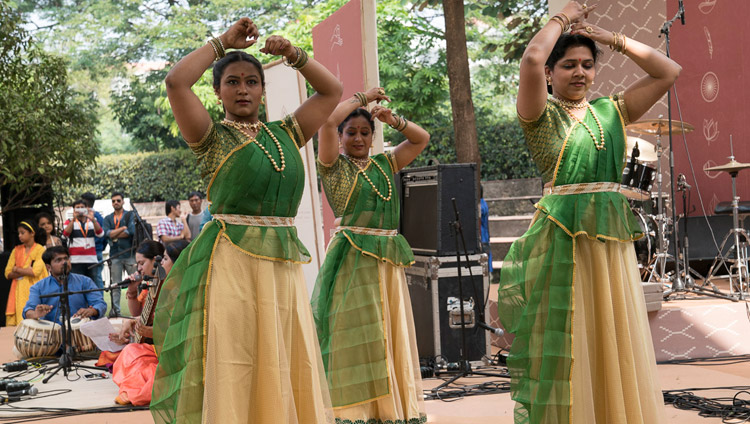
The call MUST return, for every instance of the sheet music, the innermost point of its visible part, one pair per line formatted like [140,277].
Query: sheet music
[98,331]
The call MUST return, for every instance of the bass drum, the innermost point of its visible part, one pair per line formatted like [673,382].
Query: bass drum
[645,247]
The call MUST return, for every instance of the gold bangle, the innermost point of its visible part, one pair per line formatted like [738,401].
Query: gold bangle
[362,97]
[559,21]
[216,51]
[218,47]
[566,18]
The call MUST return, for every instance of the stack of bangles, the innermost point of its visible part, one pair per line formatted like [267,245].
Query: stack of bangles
[218,47]
[563,20]
[619,42]
[301,61]
[400,124]
[362,97]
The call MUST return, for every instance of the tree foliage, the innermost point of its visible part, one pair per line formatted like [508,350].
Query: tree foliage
[48,131]
[144,177]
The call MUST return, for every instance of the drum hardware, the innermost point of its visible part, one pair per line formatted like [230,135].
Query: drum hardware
[647,151]
[68,351]
[737,287]
[659,127]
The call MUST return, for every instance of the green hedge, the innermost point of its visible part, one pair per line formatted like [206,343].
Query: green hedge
[144,177]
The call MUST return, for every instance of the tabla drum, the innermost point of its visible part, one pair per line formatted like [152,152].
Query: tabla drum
[638,181]
[37,338]
[80,342]
[645,247]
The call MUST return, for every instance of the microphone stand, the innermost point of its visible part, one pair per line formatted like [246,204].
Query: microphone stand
[464,365]
[66,359]
[677,283]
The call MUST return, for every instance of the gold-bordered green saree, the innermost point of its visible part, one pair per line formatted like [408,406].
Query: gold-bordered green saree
[361,303]
[570,289]
[233,327]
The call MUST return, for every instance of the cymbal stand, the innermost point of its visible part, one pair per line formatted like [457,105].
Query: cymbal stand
[738,288]
[659,270]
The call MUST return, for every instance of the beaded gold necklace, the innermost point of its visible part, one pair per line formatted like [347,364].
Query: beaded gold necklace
[256,126]
[570,106]
[356,163]
[252,126]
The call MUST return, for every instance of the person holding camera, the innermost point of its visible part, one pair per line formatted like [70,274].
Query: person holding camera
[82,232]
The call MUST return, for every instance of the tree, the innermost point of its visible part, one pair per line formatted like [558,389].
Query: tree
[48,129]
[464,121]
[136,107]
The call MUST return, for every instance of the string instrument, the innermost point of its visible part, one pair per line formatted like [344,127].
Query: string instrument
[148,307]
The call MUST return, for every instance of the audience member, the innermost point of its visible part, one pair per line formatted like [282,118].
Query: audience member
[100,243]
[82,231]
[83,305]
[46,222]
[119,228]
[195,218]
[24,269]
[173,227]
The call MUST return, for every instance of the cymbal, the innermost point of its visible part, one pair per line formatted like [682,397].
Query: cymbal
[731,166]
[647,151]
[659,126]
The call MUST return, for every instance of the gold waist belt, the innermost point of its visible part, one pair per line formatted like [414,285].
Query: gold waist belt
[584,188]
[256,221]
[368,231]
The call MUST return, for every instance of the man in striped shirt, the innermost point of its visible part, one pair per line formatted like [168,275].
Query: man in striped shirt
[82,232]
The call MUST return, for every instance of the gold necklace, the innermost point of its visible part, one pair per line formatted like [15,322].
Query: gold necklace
[240,127]
[362,171]
[361,162]
[252,126]
[586,104]
[570,105]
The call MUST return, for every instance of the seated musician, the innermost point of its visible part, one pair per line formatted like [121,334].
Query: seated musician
[82,305]
[133,370]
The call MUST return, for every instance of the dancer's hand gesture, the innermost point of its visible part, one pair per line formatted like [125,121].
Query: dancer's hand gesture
[376,94]
[241,35]
[277,45]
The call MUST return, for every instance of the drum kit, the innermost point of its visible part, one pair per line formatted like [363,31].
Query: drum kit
[642,184]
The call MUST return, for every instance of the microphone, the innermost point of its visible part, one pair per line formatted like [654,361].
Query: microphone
[682,181]
[16,396]
[496,331]
[629,172]
[16,386]
[136,278]
[682,12]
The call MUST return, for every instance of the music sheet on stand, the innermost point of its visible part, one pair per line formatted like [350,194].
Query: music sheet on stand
[98,331]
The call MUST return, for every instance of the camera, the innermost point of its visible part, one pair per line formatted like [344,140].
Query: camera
[82,211]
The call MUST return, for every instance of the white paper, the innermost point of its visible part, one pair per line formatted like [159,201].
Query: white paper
[98,331]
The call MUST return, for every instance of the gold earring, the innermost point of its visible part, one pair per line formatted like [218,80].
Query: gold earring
[218,102]
[262,100]
[549,81]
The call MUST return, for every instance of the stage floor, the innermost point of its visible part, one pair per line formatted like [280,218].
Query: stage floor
[478,409]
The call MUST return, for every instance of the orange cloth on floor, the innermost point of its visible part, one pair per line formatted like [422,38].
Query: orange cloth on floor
[134,371]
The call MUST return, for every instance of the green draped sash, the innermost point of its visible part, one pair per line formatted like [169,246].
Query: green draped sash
[246,184]
[347,301]
[535,297]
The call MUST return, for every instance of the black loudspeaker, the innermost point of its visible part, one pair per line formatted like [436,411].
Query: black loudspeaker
[41,201]
[427,212]
[701,244]
[433,290]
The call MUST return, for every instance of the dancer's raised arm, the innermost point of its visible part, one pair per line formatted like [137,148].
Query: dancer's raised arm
[662,71]
[191,116]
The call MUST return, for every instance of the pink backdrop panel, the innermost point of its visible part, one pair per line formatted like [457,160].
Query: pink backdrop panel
[337,44]
[713,48]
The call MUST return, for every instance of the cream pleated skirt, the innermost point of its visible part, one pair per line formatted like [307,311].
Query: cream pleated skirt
[404,404]
[263,362]
[614,378]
